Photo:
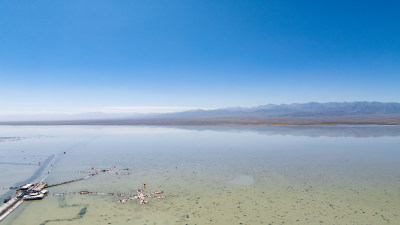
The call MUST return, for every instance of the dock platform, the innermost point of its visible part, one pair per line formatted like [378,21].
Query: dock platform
[15,201]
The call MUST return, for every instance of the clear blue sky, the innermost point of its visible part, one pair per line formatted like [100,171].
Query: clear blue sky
[89,54]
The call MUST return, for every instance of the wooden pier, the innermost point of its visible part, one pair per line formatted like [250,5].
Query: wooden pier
[70,181]
[10,206]
[18,198]
[32,191]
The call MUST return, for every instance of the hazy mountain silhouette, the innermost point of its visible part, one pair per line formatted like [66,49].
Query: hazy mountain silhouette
[312,113]
[308,113]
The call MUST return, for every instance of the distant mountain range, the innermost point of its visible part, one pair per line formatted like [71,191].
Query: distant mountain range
[313,113]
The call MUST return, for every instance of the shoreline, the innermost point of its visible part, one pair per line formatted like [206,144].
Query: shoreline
[195,123]
[192,124]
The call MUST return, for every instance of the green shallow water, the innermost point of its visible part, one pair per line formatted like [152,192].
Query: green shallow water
[210,175]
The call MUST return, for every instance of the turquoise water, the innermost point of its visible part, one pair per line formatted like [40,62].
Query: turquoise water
[210,175]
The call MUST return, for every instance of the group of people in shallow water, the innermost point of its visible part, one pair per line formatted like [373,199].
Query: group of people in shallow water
[143,196]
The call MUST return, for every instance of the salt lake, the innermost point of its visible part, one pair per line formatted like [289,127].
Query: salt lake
[209,175]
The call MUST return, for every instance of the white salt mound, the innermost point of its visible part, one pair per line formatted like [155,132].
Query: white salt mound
[242,180]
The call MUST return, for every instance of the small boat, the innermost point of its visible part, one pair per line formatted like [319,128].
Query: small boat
[26,186]
[22,194]
[34,196]
[7,199]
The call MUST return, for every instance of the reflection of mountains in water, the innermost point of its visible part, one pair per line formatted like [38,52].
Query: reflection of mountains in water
[308,131]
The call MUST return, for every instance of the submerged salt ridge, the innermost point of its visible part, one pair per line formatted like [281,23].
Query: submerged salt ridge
[210,177]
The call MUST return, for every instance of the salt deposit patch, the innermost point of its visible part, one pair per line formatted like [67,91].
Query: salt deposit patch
[242,180]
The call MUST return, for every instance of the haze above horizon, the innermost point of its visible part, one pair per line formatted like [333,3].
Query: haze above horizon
[79,56]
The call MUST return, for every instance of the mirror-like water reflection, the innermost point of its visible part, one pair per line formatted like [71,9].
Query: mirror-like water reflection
[210,175]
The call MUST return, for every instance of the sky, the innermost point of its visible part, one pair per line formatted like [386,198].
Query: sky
[149,56]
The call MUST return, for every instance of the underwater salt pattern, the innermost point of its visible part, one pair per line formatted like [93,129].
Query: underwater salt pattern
[209,175]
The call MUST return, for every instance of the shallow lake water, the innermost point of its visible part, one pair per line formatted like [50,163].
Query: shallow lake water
[209,175]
